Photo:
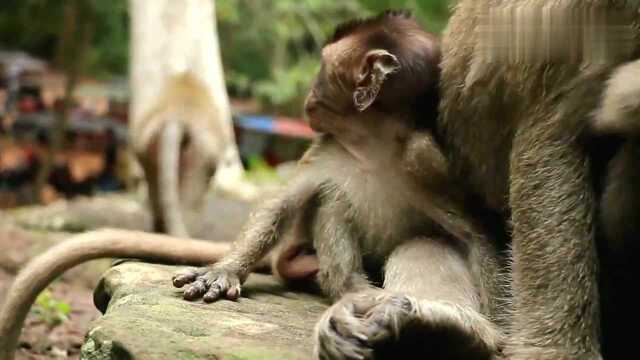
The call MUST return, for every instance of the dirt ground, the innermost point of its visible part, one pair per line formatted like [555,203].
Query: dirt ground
[39,340]
[25,233]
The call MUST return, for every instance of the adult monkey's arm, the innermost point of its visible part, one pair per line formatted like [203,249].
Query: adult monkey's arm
[555,286]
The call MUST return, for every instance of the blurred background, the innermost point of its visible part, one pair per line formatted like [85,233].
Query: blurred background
[64,90]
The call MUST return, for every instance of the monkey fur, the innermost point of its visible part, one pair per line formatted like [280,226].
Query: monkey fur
[430,232]
[619,111]
[373,198]
[179,125]
[178,151]
[618,116]
[518,135]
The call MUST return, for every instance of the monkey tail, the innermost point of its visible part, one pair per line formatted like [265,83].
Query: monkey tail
[107,243]
[168,178]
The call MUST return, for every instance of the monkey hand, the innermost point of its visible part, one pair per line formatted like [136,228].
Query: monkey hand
[379,324]
[340,332]
[209,283]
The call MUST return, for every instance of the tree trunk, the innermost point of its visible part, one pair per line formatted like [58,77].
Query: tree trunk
[177,77]
[75,39]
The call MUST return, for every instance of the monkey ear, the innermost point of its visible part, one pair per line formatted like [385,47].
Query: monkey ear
[375,68]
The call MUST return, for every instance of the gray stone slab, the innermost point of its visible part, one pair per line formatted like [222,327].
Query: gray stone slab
[145,318]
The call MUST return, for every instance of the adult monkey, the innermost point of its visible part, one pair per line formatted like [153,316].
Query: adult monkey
[180,126]
[521,149]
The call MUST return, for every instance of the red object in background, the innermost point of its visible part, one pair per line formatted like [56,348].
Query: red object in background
[293,127]
[30,155]
[27,105]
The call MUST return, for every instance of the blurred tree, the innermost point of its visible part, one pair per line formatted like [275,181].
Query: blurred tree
[286,35]
[75,34]
[35,26]
[270,46]
[433,14]
[180,117]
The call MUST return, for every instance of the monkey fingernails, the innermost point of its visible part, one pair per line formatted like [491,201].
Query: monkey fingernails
[194,290]
[181,280]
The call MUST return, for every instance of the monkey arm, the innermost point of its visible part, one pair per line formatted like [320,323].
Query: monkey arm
[39,272]
[429,294]
[338,251]
[264,229]
[555,291]
[267,224]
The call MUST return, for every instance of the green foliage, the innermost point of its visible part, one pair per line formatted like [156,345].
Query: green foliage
[51,311]
[109,53]
[287,88]
[432,14]
[258,171]
[270,48]
[37,25]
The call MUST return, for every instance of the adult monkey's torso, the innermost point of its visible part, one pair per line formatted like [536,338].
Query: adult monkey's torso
[514,132]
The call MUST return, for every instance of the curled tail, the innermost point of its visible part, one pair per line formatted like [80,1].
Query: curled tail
[108,243]
[170,208]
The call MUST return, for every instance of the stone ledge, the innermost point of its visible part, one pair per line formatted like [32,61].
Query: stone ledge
[145,318]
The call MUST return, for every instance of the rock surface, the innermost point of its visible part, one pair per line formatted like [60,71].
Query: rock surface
[220,219]
[145,318]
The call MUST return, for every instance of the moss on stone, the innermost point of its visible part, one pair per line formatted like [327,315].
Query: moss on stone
[147,319]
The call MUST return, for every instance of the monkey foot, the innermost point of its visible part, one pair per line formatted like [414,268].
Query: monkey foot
[209,283]
[379,324]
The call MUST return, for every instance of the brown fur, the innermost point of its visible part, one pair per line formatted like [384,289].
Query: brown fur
[373,198]
[179,128]
[619,112]
[515,132]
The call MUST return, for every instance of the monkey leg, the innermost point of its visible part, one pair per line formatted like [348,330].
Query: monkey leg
[296,264]
[429,307]
[161,165]
[339,255]
[169,178]
[198,166]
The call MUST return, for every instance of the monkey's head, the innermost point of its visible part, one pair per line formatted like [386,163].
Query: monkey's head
[372,68]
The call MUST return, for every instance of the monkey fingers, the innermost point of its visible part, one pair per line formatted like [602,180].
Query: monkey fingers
[384,316]
[389,324]
[186,277]
[209,283]
[339,334]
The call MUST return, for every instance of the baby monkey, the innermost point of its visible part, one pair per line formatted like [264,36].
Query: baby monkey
[373,198]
